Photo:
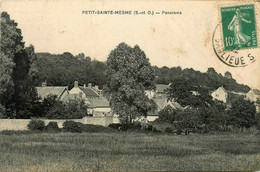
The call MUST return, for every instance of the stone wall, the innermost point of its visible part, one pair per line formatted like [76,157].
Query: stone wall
[21,124]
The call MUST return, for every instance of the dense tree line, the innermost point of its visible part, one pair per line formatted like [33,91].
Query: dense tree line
[216,117]
[211,79]
[64,69]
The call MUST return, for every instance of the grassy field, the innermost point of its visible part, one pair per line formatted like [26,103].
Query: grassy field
[128,151]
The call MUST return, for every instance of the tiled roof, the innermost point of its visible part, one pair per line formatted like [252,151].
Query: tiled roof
[69,97]
[89,92]
[45,91]
[175,105]
[161,103]
[99,102]
[221,88]
[161,87]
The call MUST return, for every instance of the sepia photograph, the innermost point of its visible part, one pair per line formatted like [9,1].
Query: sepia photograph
[129,85]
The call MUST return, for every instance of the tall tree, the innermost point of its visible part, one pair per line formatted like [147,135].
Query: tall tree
[242,113]
[19,94]
[11,43]
[228,74]
[129,74]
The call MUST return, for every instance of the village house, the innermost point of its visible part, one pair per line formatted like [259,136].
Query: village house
[45,90]
[159,92]
[99,107]
[72,97]
[161,103]
[220,94]
[88,92]
[254,96]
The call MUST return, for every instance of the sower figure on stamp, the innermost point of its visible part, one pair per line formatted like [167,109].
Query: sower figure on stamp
[236,26]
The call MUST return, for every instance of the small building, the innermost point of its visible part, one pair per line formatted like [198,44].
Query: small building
[159,92]
[253,95]
[99,107]
[161,88]
[220,94]
[45,90]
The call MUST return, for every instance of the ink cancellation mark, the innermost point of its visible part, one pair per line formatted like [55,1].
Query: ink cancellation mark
[235,37]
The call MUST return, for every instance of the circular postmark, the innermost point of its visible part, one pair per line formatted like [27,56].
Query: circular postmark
[235,38]
[234,58]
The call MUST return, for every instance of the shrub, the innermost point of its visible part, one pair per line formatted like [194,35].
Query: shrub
[168,130]
[36,124]
[52,108]
[18,132]
[167,115]
[72,126]
[137,125]
[115,126]
[155,130]
[179,131]
[52,126]
[127,126]
[149,128]
[96,128]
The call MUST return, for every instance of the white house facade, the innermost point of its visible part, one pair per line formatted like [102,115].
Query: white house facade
[220,94]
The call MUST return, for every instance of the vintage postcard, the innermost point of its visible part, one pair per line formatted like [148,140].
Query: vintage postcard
[133,85]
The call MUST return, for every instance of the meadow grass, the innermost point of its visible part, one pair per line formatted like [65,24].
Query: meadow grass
[128,151]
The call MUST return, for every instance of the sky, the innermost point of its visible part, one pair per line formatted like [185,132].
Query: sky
[185,40]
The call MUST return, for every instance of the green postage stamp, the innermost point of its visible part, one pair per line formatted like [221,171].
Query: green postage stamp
[239,29]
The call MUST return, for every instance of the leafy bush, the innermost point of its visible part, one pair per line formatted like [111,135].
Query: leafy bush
[115,126]
[137,125]
[168,130]
[127,126]
[155,130]
[167,114]
[17,132]
[52,108]
[72,126]
[96,128]
[179,131]
[149,128]
[52,126]
[36,124]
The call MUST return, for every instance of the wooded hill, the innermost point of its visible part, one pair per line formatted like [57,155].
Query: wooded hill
[64,69]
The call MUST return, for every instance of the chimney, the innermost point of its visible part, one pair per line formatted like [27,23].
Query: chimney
[89,85]
[44,84]
[96,87]
[84,85]
[76,84]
